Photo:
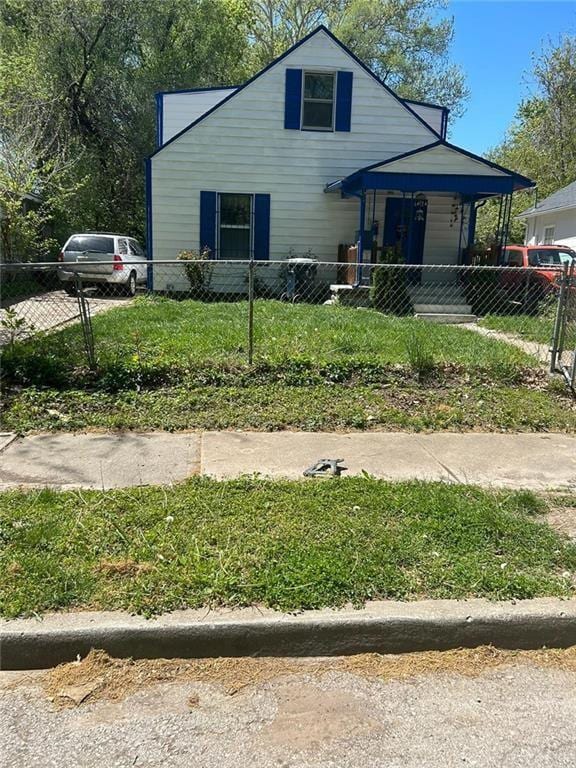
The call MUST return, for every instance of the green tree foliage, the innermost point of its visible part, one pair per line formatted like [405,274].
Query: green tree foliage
[403,41]
[89,69]
[541,143]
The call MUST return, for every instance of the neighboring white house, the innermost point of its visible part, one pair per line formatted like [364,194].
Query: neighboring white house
[312,152]
[552,220]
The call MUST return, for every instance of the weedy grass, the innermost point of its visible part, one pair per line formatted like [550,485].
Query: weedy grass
[288,545]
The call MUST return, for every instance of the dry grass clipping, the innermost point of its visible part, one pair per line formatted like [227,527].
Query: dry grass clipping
[99,676]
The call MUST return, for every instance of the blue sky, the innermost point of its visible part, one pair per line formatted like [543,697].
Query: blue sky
[493,43]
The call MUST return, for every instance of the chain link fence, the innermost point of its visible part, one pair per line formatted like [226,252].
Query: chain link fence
[239,312]
[563,352]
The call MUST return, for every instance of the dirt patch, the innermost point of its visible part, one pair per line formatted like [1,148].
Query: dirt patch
[99,676]
[563,520]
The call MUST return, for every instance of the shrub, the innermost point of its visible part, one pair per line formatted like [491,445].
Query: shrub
[389,288]
[198,269]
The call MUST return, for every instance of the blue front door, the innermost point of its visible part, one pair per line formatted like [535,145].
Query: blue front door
[404,227]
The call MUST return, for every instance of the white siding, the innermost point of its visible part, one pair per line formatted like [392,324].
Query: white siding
[442,235]
[244,147]
[432,115]
[440,160]
[181,109]
[564,223]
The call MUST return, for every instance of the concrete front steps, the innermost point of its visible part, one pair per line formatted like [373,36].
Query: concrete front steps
[441,304]
[435,303]
[445,313]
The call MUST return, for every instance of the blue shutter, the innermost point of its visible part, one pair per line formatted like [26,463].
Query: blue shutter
[293,99]
[208,222]
[261,227]
[343,101]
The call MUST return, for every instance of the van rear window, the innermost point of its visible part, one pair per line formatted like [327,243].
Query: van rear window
[97,244]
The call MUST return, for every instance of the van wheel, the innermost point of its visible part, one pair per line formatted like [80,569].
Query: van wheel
[130,289]
[70,289]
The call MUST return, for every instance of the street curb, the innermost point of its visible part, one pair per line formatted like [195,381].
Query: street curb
[385,627]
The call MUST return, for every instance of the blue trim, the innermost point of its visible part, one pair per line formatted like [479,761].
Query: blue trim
[444,129]
[280,58]
[262,227]
[472,224]
[429,182]
[344,82]
[292,99]
[149,240]
[208,222]
[423,103]
[521,181]
[159,119]
[199,90]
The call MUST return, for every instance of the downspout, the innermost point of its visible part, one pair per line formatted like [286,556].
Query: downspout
[361,197]
[474,206]
[461,230]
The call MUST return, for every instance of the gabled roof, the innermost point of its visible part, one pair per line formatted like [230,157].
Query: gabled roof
[305,39]
[393,164]
[561,199]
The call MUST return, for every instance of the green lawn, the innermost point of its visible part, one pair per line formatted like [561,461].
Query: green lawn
[290,545]
[182,365]
[158,338]
[530,327]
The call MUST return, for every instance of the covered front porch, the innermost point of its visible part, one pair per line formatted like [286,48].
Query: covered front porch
[420,209]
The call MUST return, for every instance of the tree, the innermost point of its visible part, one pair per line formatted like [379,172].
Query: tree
[98,64]
[399,39]
[541,143]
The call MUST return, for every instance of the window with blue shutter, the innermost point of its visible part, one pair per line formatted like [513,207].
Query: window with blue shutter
[293,99]
[262,227]
[318,101]
[208,222]
[343,101]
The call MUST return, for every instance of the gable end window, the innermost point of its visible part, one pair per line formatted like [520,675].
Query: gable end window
[318,101]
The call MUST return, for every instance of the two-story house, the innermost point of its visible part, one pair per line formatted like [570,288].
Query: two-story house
[313,151]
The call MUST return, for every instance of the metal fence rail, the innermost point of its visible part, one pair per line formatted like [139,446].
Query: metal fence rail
[530,309]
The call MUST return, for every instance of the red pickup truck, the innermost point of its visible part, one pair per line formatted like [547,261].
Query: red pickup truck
[546,263]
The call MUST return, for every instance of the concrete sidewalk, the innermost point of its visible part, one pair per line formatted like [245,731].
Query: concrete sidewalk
[93,460]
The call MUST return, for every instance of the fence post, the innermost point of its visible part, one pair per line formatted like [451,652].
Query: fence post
[250,311]
[559,322]
[86,323]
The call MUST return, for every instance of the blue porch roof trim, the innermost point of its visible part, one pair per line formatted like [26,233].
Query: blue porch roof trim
[473,184]
[305,39]
[428,182]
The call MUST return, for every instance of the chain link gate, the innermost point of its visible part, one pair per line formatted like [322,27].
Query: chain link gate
[563,349]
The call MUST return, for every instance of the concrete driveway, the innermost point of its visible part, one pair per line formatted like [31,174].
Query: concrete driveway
[54,309]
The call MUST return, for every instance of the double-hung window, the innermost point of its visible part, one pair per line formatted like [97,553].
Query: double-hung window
[548,235]
[235,226]
[318,101]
